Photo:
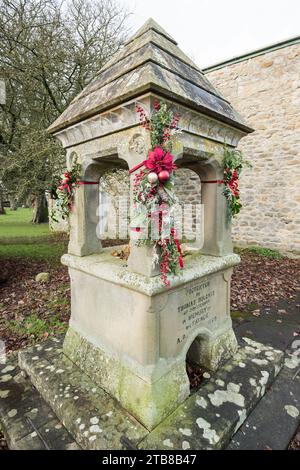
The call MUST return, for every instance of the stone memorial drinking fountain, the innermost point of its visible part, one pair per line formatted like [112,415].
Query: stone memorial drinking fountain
[129,335]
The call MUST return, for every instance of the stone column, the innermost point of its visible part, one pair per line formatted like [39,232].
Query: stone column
[217,229]
[84,217]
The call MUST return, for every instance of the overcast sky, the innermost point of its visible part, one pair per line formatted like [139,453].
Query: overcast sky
[210,31]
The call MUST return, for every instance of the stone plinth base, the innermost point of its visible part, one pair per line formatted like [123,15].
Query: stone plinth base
[149,401]
[131,334]
[94,420]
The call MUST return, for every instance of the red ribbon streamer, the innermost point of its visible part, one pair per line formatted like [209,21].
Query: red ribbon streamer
[233,184]
[87,182]
[64,186]
[179,251]
[176,241]
[214,181]
[137,167]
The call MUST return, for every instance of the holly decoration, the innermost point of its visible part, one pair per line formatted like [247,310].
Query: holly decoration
[153,192]
[64,193]
[233,163]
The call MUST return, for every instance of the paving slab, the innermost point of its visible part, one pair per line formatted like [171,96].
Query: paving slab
[276,325]
[68,411]
[274,421]
[209,418]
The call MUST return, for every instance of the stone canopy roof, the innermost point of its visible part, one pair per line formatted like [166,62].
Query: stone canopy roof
[149,61]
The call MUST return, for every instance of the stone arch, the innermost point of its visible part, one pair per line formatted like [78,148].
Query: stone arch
[83,235]
[114,205]
[216,229]
[200,334]
[195,351]
[197,345]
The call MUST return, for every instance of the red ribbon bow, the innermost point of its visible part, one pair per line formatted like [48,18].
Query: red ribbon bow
[157,161]
[65,183]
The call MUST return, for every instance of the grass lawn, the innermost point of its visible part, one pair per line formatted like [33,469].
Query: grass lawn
[50,251]
[20,238]
[17,225]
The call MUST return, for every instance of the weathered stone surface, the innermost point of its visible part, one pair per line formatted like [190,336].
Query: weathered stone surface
[150,77]
[50,436]
[92,417]
[149,399]
[125,117]
[154,53]
[206,420]
[137,353]
[152,33]
[266,90]
[274,421]
[27,421]
[150,62]
[104,266]
[209,418]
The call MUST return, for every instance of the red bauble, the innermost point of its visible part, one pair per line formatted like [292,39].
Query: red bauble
[163,176]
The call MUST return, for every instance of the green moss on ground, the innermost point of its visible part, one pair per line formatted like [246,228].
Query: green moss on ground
[237,314]
[260,251]
[37,328]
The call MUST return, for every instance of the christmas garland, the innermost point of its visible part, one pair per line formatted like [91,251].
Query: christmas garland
[64,193]
[153,191]
[233,163]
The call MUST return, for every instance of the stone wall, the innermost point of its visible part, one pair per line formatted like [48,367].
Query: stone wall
[188,191]
[114,207]
[265,89]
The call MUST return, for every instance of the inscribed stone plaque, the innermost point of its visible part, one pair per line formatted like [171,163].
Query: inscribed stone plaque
[190,309]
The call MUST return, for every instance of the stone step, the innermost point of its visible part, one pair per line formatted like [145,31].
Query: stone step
[94,419]
[274,421]
[72,405]
[27,421]
[210,417]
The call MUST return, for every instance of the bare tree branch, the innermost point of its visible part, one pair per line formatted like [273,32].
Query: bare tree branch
[49,51]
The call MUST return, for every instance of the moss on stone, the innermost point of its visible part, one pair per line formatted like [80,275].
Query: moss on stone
[149,402]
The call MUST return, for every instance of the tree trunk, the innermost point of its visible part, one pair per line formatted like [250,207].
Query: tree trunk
[2,210]
[12,203]
[40,210]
